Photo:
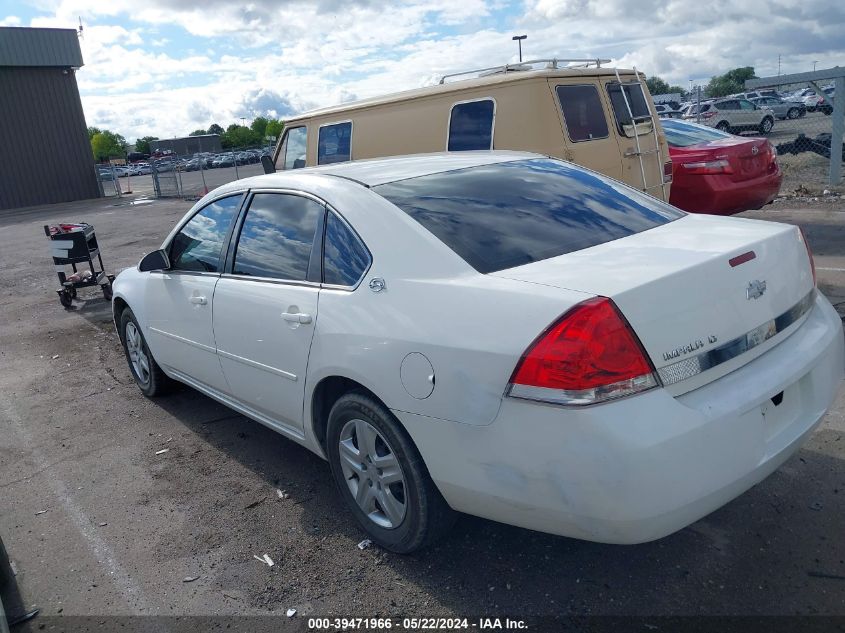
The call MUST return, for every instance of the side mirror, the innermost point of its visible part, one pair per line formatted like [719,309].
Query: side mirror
[157,260]
[267,164]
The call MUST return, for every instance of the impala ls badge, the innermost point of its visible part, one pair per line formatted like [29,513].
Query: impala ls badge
[755,289]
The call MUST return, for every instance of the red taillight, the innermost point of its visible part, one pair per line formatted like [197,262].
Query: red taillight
[708,115]
[719,166]
[589,355]
[809,254]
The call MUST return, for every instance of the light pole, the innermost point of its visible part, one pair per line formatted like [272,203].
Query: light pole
[518,39]
[814,65]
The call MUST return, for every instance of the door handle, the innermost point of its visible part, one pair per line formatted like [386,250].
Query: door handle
[296,317]
[200,301]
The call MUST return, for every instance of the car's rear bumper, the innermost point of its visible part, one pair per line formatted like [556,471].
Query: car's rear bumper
[641,468]
[719,195]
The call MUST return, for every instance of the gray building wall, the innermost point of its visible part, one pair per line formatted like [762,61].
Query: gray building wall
[45,154]
[188,145]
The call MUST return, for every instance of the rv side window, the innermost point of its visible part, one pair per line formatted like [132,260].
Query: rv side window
[334,143]
[582,112]
[292,154]
[639,108]
[471,126]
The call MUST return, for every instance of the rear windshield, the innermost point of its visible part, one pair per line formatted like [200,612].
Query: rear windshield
[509,214]
[684,134]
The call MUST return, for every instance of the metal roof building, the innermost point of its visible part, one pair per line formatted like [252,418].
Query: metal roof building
[45,154]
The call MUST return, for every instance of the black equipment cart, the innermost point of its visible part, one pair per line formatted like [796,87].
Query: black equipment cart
[73,244]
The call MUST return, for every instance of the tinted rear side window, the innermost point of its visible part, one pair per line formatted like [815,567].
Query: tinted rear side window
[582,112]
[509,214]
[471,126]
[345,258]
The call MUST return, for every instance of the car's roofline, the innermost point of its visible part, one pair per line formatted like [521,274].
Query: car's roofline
[379,171]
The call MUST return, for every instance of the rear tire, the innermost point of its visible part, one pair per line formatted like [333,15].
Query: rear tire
[149,377]
[374,460]
[766,125]
[792,113]
[724,126]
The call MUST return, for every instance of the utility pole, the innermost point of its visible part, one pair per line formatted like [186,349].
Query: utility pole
[518,39]
[814,65]
[778,65]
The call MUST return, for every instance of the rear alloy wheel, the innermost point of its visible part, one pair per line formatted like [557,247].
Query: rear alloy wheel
[792,113]
[766,125]
[147,374]
[381,476]
[724,126]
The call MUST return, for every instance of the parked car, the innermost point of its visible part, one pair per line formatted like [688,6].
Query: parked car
[815,102]
[498,333]
[666,111]
[719,173]
[733,115]
[799,95]
[782,109]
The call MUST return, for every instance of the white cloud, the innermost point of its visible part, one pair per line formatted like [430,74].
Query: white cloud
[10,20]
[140,81]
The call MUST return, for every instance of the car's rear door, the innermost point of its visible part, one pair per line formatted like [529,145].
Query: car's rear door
[265,304]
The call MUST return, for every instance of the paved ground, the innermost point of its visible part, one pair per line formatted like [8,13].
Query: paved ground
[98,523]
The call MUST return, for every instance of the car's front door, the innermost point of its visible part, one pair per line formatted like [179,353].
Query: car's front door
[265,305]
[178,300]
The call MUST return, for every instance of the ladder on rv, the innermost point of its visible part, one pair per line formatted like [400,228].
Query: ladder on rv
[639,152]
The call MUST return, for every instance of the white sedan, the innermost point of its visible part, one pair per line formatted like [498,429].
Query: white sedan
[496,333]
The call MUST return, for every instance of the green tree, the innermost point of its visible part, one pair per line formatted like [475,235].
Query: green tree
[106,144]
[142,145]
[658,86]
[92,131]
[238,136]
[274,128]
[731,82]
[259,126]
[215,129]
[198,133]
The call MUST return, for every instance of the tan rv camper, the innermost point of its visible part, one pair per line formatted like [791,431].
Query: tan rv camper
[601,118]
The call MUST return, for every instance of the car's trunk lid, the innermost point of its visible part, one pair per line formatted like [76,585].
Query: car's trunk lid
[683,292]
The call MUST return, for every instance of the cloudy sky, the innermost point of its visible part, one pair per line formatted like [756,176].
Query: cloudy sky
[167,67]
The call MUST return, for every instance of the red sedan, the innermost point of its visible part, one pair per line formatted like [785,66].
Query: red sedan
[719,173]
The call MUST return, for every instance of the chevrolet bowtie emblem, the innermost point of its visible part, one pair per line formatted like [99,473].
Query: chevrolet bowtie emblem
[755,289]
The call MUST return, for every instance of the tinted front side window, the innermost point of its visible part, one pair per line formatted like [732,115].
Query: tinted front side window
[334,143]
[471,126]
[582,112]
[345,259]
[293,151]
[509,214]
[277,236]
[197,247]
[637,103]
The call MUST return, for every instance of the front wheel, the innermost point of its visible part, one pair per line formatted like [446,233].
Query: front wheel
[766,125]
[381,476]
[149,377]
[792,113]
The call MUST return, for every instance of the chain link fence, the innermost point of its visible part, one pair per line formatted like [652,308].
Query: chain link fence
[804,124]
[192,176]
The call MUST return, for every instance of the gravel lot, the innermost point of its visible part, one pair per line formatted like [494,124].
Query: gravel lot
[97,523]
